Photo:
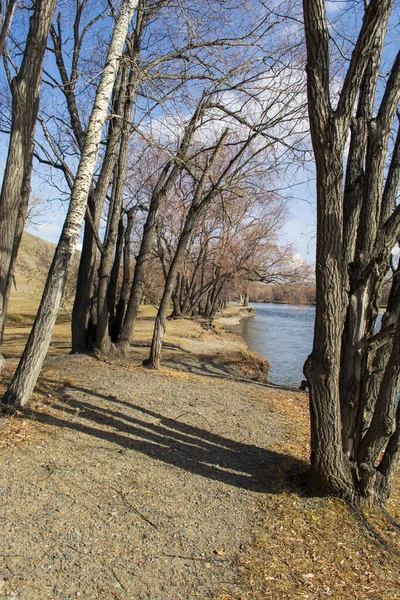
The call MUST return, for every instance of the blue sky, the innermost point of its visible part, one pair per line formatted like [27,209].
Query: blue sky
[300,227]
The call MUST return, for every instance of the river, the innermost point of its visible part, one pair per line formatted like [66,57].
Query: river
[283,334]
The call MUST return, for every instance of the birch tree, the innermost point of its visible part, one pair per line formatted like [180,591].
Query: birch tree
[353,385]
[27,372]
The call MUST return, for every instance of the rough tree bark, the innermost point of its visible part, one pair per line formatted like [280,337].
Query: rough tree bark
[15,191]
[81,313]
[356,231]
[126,278]
[103,341]
[27,372]
[81,316]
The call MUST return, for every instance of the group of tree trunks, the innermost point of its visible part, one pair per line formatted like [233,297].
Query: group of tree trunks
[353,373]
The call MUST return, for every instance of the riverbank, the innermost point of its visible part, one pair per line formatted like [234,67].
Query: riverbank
[122,483]
[233,314]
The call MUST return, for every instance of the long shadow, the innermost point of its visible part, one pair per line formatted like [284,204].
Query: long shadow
[175,442]
[206,366]
[203,366]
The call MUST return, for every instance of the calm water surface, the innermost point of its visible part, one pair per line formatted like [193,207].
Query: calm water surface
[283,334]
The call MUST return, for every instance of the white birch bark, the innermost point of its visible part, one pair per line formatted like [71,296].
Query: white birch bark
[27,372]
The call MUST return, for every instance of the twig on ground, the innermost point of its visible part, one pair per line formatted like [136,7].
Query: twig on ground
[133,508]
[196,558]
[193,413]
[118,579]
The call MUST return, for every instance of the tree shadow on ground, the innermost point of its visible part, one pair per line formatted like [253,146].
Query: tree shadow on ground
[205,366]
[173,441]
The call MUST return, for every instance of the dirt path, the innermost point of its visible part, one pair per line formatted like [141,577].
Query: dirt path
[136,485]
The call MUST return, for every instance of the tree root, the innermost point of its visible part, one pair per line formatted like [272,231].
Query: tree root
[389,517]
[362,520]
[7,410]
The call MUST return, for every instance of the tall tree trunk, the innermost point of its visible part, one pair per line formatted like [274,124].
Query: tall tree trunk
[16,186]
[126,279]
[27,372]
[154,359]
[89,256]
[142,261]
[112,292]
[103,340]
[85,288]
[351,253]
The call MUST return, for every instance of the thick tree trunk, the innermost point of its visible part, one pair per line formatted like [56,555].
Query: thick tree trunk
[378,354]
[352,253]
[81,341]
[80,324]
[330,471]
[361,318]
[383,423]
[27,372]
[15,190]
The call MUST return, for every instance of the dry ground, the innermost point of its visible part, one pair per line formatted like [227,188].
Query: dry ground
[125,483]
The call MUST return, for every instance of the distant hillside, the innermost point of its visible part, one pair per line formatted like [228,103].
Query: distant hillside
[33,263]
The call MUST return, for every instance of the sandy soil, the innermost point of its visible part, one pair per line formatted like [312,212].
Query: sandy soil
[130,484]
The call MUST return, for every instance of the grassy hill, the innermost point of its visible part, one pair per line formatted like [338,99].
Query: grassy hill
[33,263]
[31,270]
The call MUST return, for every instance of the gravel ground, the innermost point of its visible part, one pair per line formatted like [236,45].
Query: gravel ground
[138,485]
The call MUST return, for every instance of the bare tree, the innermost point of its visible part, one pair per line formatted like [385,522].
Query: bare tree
[354,434]
[27,372]
[205,191]
[163,187]
[15,190]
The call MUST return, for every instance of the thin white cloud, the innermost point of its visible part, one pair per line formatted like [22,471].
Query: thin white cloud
[47,231]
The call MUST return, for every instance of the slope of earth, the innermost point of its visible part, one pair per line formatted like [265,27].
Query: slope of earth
[32,264]
[30,273]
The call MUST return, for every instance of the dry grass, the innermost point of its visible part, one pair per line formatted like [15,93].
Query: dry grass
[315,548]
[252,365]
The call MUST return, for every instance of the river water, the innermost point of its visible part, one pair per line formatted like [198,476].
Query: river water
[283,334]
